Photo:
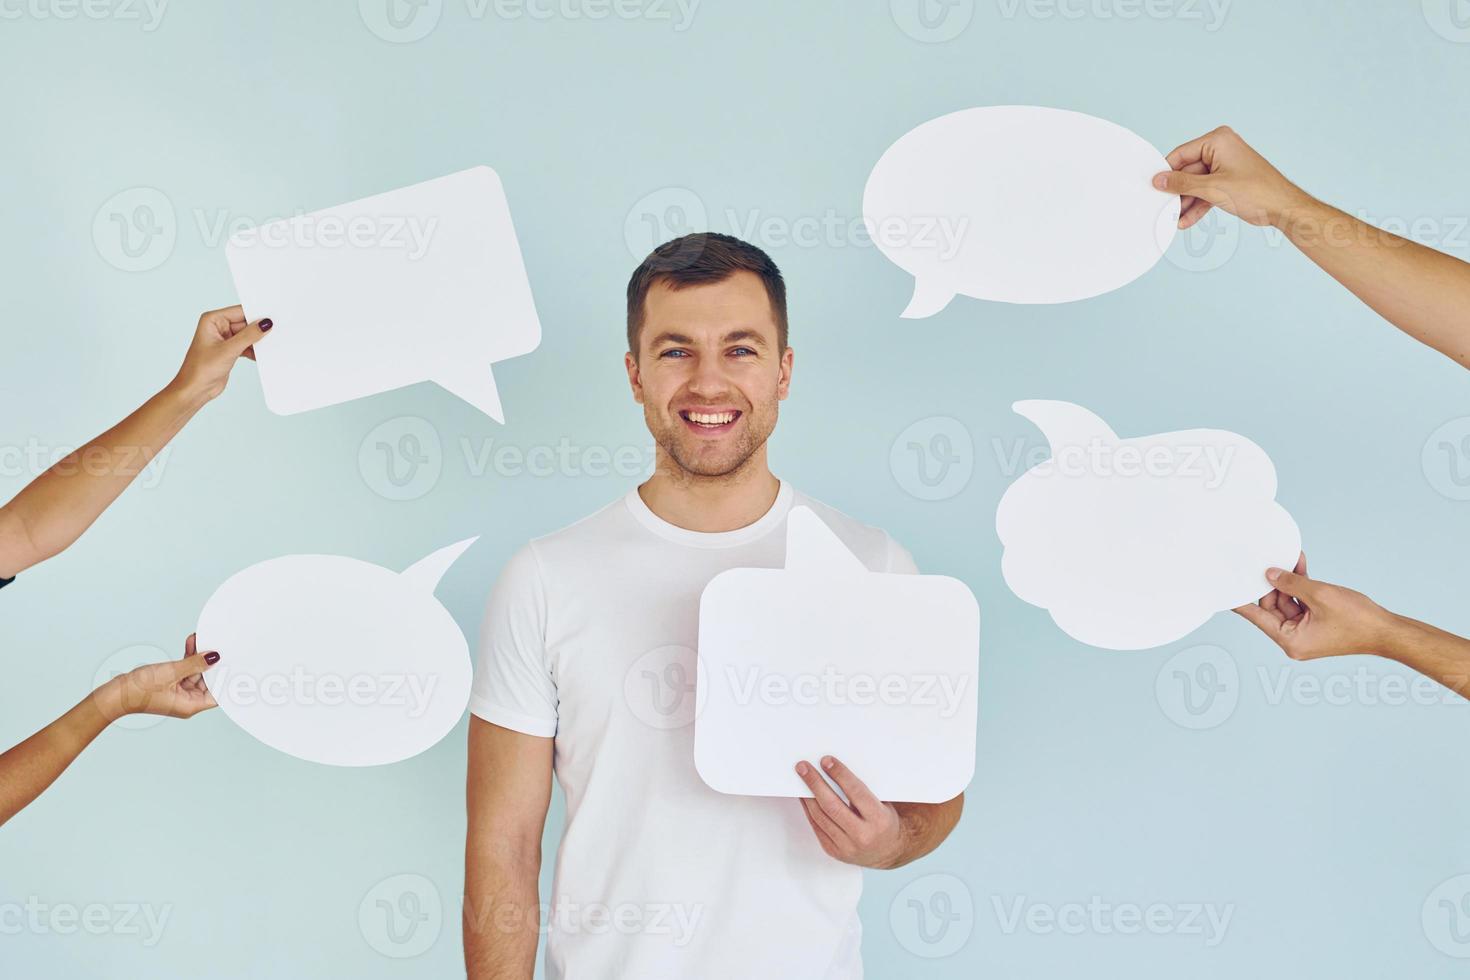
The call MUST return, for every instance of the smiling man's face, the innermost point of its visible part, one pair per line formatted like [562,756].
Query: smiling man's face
[709,372]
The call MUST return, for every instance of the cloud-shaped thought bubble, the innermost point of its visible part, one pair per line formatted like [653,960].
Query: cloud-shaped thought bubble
[336,660]
[424,283]
[1134,543]
[824,657]
[1018,204]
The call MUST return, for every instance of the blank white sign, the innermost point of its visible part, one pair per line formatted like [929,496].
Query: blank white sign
[823,657]
[425,283]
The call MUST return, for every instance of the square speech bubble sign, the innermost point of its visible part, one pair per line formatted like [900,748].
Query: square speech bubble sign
[823,657]
[423,283]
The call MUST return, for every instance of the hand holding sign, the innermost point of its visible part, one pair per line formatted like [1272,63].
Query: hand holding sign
[425,283]
[823,658]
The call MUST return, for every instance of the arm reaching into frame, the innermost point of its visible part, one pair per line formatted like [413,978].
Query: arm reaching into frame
[56,507]
[1309,620]
[175,689]
[1423,292]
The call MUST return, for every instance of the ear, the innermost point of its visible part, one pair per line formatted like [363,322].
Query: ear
[635,381]
[783,382]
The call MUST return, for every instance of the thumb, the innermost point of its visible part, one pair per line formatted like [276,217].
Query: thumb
[191,665]
[247,336]
[1292,584]
[1203,186]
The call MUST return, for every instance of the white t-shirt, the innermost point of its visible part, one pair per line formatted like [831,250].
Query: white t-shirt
[589,637]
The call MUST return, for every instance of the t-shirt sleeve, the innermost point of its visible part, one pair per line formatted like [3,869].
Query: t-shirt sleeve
[900,562]
[513,683]
[6,581]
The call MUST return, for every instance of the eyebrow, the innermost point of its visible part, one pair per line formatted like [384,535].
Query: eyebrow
[744,334]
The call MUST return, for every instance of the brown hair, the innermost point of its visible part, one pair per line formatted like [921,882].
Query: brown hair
[703,257]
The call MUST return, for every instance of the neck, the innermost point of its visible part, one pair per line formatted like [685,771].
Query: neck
[711,503]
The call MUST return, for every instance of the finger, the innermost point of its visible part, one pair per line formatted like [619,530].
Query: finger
[248,335]
[189,647]
[856,791]
[840,813]
[1204,186]
[191,667]
[229,313]
[1192,214]
[1186,202]
[1301,564]
[1266,621]
[1187,153]
[822,824]
[222,323]
[1294,585]
[250,352]
[1268,602]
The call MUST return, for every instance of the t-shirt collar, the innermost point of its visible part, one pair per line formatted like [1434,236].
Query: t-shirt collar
[712,539]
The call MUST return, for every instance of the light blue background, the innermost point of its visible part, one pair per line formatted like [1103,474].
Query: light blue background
[1324,828]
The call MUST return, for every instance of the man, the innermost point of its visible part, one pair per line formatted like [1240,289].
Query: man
[1423,292]
[589,630]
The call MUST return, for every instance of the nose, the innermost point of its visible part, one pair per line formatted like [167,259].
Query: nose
[708,378]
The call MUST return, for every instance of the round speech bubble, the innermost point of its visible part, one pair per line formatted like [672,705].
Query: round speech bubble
[338,661]
[1018,204]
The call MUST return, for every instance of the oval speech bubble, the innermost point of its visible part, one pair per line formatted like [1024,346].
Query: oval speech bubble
[1018,204]
[338,661]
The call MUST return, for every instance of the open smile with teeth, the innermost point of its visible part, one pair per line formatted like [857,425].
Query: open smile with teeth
[709,420]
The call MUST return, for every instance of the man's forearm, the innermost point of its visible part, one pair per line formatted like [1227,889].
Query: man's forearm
[30,767]
[502,917]
[1431,651]
[56,507]
[925,826]
[1423,292]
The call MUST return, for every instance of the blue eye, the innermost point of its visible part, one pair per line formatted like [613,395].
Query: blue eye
[673,353]
[743,350]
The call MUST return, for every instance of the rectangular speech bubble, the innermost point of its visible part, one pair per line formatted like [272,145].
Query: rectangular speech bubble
[424,283]
[823,657]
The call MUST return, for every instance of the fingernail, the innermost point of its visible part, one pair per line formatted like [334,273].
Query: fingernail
[1272,574]
[828,762]
[211,658]
[1161,181]
[801,768]
[266,324]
